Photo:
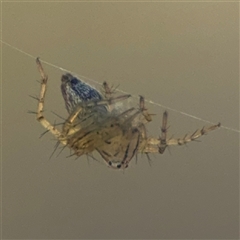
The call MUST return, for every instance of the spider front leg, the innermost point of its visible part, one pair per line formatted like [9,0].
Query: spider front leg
[44,122]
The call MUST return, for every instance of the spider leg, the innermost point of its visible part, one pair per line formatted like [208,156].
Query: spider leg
[143,109]
[146,117]
[154,145]
[192,137]
[44,122]
[162,140]
[107,90]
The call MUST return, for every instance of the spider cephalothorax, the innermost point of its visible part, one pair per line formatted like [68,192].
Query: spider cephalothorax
[95,123]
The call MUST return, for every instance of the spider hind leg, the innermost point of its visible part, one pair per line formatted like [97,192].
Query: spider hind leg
[154,145]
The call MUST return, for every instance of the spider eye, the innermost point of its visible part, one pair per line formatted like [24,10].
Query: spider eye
[119,166]
[114,165]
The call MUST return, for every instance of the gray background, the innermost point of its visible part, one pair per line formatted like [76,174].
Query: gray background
[182,55]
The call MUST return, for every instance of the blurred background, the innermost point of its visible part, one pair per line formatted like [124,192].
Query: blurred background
[182,55]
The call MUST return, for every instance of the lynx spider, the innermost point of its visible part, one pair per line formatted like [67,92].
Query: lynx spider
[94,123]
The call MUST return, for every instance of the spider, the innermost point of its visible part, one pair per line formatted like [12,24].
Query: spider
[98,122]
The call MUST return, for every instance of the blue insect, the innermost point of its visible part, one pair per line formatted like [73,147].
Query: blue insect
[96,123]
[75,91]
